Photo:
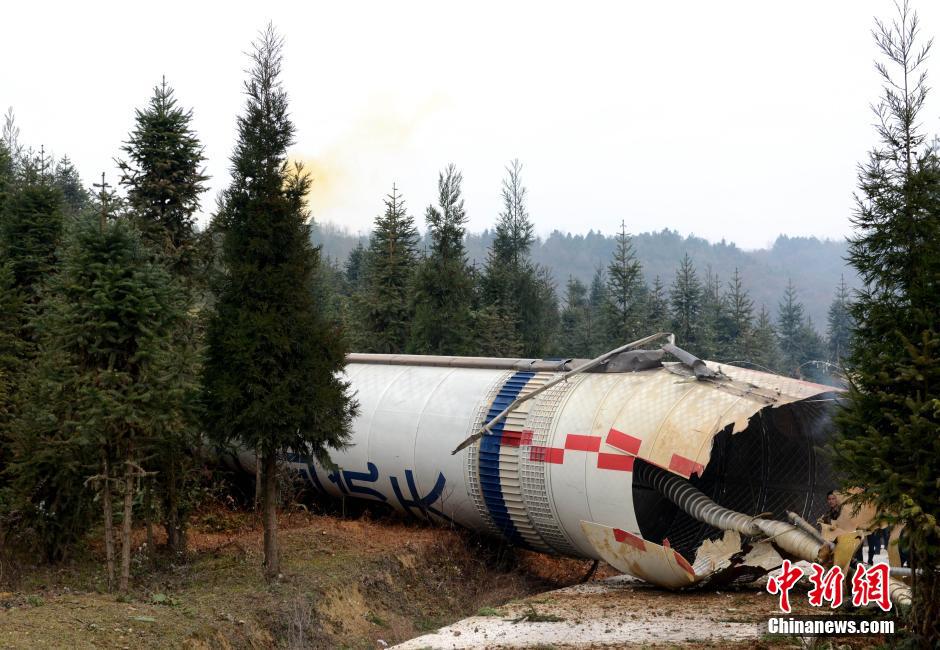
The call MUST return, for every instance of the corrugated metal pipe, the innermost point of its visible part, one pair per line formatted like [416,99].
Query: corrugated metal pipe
[692,501]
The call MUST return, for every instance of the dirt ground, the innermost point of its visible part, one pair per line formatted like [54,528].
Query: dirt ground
[362,583]
[623,612]
[347,583]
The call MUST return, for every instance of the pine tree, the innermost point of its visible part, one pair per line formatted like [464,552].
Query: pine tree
[657,307]
[887,441]
[515,233]
[626,293]
[813,366]
[69,183]
[713,338]
[574,341]
[164,177]
[738,322]
[763,351]
[355,267]
[511,282]
[791,331]
[272,373]
[98,392]
[685,298]
[597,329]
[444,286]
[384,304]
[839,332]
[30,232]
[545,330]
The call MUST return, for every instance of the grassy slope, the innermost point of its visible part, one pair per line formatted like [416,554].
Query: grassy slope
[345,584]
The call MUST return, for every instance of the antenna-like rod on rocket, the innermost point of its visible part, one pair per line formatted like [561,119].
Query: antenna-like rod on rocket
[584,367]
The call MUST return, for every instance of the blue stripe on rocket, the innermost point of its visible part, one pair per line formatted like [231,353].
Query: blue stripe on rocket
[489,458]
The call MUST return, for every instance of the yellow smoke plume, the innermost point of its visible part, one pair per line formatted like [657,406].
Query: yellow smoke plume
[349,162]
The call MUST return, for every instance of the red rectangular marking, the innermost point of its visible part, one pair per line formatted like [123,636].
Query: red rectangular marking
[624,442]
[615,461]
[577,442]
[684,563]
[685,466]
[624,537]
[516,438]
[541,454]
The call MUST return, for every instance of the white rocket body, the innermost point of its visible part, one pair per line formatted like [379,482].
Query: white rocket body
[557,473]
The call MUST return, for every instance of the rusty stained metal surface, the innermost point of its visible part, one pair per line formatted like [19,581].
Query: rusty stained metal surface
[701,405]
[710,405]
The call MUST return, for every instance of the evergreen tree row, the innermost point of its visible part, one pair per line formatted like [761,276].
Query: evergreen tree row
[396,298]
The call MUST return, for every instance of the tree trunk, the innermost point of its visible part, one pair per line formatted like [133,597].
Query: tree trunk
[126,524]
[258,472]
[925,610]
[108,518]
[148,514]
[172,510]
[271,561]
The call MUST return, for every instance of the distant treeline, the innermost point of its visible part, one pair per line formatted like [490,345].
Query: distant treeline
[507,293]
[814,265]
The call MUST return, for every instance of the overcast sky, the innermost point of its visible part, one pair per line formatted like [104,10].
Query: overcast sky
[735,120]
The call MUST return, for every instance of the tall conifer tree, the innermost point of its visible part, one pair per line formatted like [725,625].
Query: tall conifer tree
[713,340]
[763,351]
[887,441]
[736,330]
[384,304]
[574,341]
[272,377]
[597,329]
[164,177]
[625,293]
[512,284]
[657,307]
[74,195]
[685,298]
[444,285]
[791,329]
[839,331]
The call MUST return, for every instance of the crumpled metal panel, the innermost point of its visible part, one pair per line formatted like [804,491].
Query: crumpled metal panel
[640,558]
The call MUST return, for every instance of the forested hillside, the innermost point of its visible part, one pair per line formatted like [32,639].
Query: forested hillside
[815,266]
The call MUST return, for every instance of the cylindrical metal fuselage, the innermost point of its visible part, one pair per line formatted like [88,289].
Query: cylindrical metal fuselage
[567,455]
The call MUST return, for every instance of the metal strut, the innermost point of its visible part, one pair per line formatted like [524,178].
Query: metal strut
[584,367]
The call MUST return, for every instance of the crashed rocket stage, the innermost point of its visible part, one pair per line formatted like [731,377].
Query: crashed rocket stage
[583,467]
